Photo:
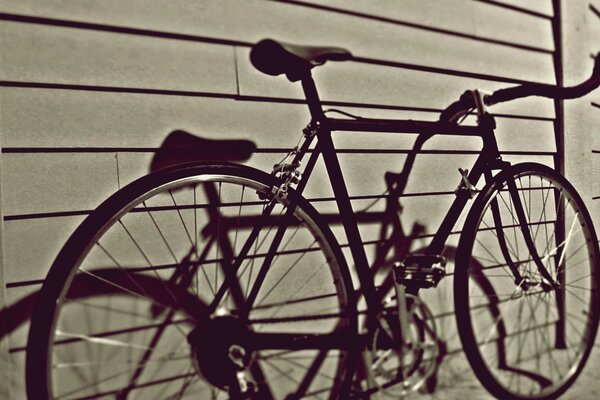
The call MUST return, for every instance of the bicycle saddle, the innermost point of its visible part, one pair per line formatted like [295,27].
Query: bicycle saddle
[180,147]
[275,58]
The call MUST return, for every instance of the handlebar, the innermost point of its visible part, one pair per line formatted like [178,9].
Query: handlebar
[467,102]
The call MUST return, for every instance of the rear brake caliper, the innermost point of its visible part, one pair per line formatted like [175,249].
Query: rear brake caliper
[287,173]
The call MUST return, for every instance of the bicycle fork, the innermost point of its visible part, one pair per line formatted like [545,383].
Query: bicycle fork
[523,226]
[547,283]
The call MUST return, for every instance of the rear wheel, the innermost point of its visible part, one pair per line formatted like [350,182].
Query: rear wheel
[525,337]
[149,298]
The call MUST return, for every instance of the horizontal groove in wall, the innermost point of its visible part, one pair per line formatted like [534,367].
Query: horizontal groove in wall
[409,24]
[113,89]
[594,10]
[13,350]
[275,150]
[236,97]
[58,214]
[18,284]
[437,70]
[516,8]
[210,40]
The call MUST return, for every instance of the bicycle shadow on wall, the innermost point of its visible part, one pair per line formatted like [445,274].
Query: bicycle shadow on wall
[122,307]
[178,148]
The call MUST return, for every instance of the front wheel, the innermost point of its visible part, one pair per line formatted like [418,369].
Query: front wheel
[150,297]
[526,292]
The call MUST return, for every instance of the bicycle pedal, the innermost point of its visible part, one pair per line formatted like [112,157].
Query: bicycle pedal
[420,270]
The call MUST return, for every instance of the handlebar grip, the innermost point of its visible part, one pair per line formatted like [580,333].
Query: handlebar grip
[549,91]
[467,102]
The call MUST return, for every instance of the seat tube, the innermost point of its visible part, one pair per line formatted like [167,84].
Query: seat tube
[312,98]
[342,198]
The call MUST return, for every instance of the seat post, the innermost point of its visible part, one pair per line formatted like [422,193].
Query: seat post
[312,98]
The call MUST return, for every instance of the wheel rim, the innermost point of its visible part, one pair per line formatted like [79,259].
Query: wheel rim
[122,321]
[531,340]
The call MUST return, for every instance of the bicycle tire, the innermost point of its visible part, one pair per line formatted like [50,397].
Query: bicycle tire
[75,347]
[527,340]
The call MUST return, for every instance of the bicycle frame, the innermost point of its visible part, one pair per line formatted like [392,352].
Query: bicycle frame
[321,127]
[488,160]
[405,330]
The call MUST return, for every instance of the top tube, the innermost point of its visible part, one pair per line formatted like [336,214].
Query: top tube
[403,126]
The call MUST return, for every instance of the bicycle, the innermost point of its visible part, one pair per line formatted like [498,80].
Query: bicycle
[180,146]
[254,329]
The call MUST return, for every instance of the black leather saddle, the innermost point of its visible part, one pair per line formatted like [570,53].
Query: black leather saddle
[275,58]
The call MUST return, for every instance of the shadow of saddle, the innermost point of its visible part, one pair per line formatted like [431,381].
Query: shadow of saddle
[181,147]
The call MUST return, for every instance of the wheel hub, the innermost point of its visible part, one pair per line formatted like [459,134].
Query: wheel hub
[220,349]
[540,284]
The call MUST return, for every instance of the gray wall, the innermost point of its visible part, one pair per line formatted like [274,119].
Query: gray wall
[84,103]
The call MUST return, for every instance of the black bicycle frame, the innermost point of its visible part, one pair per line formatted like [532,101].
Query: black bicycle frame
[488,160]
[322,128]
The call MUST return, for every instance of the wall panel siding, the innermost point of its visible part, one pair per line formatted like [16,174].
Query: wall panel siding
[46,236]
[89,89]
[452,17]
[47,181]
[83,119]
[62,55]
